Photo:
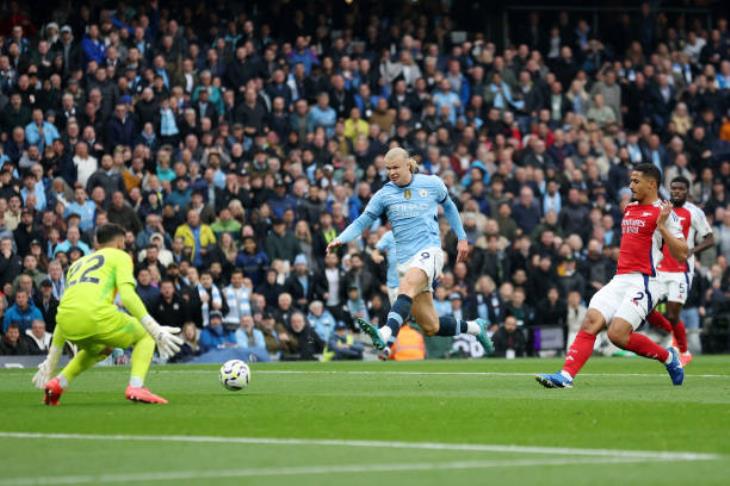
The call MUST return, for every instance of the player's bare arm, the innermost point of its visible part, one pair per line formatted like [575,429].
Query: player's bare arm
[708,242]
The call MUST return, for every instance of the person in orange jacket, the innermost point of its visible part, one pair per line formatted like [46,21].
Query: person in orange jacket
[409,345]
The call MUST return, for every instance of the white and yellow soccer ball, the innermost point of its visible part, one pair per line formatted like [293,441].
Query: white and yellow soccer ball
[234,375]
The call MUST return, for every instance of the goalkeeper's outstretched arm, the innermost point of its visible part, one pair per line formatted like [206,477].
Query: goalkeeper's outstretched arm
[167,343]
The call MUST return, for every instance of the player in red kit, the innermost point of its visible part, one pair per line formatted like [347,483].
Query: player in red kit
[625,301]
[676,277]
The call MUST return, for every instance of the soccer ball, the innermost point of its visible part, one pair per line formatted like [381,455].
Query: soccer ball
[234,375]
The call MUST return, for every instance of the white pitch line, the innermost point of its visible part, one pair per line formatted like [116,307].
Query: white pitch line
[379,444]
[304,470]
[423,373]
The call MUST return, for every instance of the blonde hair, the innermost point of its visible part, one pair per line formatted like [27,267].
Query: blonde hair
[398,152]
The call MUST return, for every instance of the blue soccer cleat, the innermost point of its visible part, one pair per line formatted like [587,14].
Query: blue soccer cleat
[554,380]
[674,368]
[483,338]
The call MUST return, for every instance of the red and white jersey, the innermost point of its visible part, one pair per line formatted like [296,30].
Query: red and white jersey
[694,226]
[641,242]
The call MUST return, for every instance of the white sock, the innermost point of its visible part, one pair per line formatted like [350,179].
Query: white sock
[136,382]
[472,328]
[669,358]
[566,374]
[62,381]
[385,333]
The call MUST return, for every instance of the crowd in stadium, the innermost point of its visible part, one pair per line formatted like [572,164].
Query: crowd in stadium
[233,147]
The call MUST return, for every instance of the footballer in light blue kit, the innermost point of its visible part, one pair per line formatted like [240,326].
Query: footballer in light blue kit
[410,201]
[386,244]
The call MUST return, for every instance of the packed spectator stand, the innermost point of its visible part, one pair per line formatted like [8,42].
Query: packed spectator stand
[235,141]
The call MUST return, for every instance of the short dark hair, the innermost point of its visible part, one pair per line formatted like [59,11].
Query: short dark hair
[681,180]
[650,171]
[107,232]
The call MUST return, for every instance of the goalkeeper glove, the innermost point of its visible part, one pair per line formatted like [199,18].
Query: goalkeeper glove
[47,367]
[168,344]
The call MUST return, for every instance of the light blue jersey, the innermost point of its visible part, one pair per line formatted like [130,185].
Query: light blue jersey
[413,214]
[386,244]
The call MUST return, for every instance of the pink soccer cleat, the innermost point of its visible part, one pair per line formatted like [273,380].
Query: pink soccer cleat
[52,393]
[143,395]
[685,358]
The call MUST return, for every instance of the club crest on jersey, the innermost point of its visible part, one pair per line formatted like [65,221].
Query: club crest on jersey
[407,194]
[423,193]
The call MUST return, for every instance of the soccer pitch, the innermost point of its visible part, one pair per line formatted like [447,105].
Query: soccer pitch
[434,422]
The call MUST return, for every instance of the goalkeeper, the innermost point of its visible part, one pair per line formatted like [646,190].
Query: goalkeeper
[88,317]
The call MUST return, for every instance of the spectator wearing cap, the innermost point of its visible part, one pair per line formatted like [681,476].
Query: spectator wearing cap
[281,201]
[342,344]
[121,130]
[69,50]
[40,132]
[281,244]
[181,195]
[47,304]
[215,336]
[302,284]
[196,236]
[22,312]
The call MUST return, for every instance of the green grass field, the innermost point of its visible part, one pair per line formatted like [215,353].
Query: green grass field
[447,422]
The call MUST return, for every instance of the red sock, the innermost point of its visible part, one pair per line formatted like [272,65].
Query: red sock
[680,334]
[643,346]
[657,319]
[579,352]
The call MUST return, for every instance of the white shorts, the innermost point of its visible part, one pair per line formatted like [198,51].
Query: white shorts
[629,297]
[430,260]
[392,294]
[675,285]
